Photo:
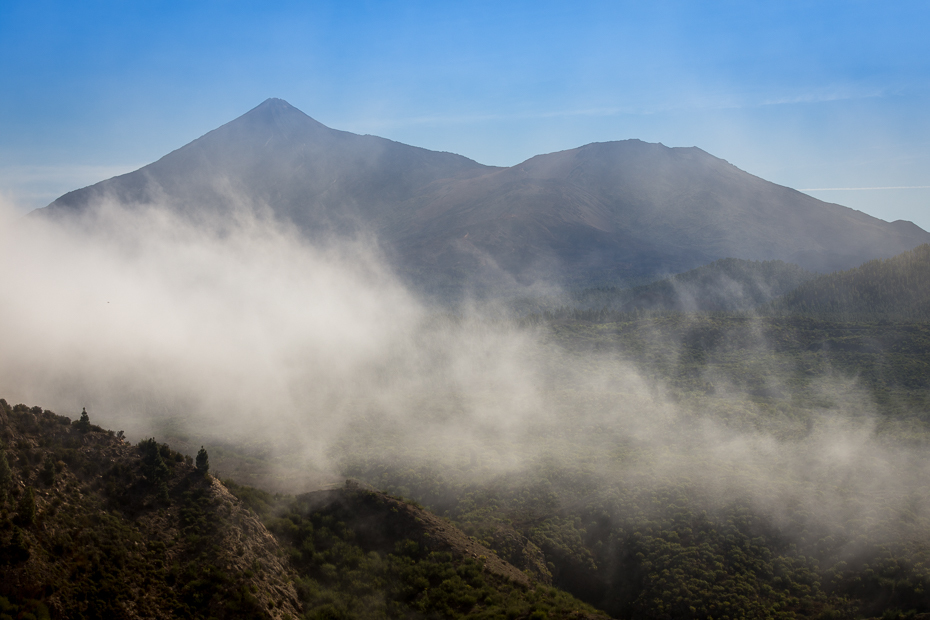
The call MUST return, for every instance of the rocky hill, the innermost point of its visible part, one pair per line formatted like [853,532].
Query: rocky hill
[92,526]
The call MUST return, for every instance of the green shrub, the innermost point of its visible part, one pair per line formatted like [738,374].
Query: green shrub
[26,509]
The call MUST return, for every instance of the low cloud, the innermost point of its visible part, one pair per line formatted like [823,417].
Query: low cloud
[244,331]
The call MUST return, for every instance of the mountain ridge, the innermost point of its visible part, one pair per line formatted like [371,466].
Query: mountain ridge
[601,213]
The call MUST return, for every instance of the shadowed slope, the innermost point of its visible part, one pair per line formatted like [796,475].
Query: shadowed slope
[630,209]
[897,288]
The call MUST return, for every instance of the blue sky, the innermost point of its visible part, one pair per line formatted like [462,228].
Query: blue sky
[807,94]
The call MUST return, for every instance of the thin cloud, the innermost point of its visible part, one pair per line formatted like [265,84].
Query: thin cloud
[453,119]
[65,172]
[697,101]
[860,189]
[825,96]
[32,186]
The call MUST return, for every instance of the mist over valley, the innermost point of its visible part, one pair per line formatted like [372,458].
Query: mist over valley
[650,384]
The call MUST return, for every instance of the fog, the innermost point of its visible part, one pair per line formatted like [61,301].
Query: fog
[240,334]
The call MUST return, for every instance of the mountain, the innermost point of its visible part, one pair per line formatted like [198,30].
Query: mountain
[896,288]
[624,209]
[610,212]
[277,157]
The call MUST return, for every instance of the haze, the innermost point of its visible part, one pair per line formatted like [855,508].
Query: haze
[239,332]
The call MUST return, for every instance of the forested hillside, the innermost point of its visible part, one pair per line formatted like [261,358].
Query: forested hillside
[725,285]
[893,289]
[94,527]
[782,356]
[639,464]
[776,470]
[773,468]
[896,288]
[362,554]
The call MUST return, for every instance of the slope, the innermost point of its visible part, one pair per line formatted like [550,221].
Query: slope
[618,211]
[93,527]
[726,285]
[362,554]
[896,288]
[276,157]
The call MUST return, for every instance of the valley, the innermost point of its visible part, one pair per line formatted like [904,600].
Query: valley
[730,465]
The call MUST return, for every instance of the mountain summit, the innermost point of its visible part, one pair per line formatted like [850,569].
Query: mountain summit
[277,157]
[604,212]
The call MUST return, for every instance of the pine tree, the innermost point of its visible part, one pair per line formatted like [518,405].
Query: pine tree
[47,473]
[203,461]
[18,549]
[153,465]
[83,424]
[26,510]
[6,475]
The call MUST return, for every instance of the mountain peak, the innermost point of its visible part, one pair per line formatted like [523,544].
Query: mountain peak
[274,108]
[273,103]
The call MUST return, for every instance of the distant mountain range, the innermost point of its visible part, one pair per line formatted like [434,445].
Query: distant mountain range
[604,213]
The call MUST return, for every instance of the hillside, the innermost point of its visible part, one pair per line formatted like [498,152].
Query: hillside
[94,527]
[756,484]
[615,211]
[363,554]
[896,288]
[605,213]
[726,285]
[769,468]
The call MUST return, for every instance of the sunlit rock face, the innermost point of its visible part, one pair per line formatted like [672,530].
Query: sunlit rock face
[609,212]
